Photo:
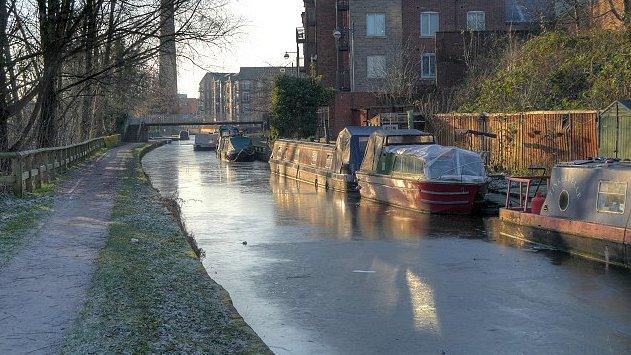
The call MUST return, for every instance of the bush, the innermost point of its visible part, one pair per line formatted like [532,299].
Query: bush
[295,103]
[555,71]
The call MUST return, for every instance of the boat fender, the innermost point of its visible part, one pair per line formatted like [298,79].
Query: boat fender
[537,203]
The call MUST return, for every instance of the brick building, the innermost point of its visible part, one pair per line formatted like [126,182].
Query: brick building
[349,43]
[243,96]
[369,31]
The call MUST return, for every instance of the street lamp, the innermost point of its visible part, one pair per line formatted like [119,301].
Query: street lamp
[297,53]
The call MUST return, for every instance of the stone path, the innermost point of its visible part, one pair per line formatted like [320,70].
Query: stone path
[42,289]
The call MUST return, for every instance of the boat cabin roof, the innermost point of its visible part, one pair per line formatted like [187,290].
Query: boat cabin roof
[595,190]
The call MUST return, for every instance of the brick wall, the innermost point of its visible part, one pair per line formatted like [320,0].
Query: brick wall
[365,46]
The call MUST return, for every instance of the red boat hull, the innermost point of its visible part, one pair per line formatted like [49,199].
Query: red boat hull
[424,196]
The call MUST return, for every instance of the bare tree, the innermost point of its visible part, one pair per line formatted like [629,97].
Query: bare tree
[64,64]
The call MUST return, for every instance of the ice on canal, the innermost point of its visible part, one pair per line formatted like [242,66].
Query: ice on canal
[327,273]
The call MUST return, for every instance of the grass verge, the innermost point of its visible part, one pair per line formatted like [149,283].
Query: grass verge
[150,293]
[18,218]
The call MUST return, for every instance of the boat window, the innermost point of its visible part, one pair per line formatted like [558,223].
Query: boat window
[409,140]
[408,165]
[564,200]
[386,161]
[611,196]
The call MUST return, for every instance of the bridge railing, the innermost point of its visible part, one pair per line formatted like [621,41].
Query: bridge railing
[27,170]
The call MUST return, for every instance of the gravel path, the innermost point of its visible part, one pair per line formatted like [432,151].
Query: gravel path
[42,289]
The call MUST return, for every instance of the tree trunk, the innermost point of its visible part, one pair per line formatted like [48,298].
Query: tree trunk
[48,111]
[4,87]
[87,112]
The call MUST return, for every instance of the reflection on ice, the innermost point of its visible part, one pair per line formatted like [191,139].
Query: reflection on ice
[422,302]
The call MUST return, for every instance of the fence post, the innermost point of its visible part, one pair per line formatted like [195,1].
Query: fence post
[38,179]
[28,166]
[18,186]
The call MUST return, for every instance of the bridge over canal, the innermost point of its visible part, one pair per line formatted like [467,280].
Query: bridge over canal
[137,129]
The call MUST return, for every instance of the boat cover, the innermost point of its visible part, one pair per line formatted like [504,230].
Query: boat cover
[445,163]
[351,146]
[239,143]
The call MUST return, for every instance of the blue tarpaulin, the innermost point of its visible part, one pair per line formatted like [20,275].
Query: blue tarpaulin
[351,146]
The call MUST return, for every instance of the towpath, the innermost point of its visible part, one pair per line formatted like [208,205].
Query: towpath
[42,289]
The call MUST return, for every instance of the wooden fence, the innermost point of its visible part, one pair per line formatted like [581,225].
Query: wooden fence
[27,170]
[522,140]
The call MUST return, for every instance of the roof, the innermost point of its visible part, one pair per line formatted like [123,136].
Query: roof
[362,130]
[256,73]
[626,103]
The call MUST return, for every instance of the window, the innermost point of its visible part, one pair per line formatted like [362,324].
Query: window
[476,21]
[386,162]
[429,24]
[428,65]
[376,66]
[611,196]
[245,97]
[408,165]
[246,85]
[376,25]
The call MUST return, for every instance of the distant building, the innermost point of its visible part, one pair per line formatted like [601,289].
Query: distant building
[243,96]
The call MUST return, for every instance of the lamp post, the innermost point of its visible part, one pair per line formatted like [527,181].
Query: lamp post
[337,34]
[297,53]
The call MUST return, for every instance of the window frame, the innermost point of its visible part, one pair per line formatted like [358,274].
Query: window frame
[368,67]
[373,34]
[430,76]
[429,14]
[476,12]
[624,195]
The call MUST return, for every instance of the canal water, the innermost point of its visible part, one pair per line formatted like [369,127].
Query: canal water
[320,272]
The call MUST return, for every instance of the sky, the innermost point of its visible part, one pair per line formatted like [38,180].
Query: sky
[268,32]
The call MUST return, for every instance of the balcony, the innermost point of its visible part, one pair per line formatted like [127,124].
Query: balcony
[341,5]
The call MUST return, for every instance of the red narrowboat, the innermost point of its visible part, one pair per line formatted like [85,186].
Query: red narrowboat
[405,168]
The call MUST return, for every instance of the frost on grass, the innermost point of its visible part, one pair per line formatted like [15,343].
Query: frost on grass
[151,296]
[18,217]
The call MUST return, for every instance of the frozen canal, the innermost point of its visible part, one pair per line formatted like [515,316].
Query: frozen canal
[326,273]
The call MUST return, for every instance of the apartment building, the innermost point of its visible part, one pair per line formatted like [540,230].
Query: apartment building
[348,42]
[242,96]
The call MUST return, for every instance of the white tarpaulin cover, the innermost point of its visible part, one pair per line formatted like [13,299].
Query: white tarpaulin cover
[444,163]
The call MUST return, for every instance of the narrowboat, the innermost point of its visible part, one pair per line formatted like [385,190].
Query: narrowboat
[405,168]
[204,141]
[331,166]
[233,146]
[184,136]
[585,211]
